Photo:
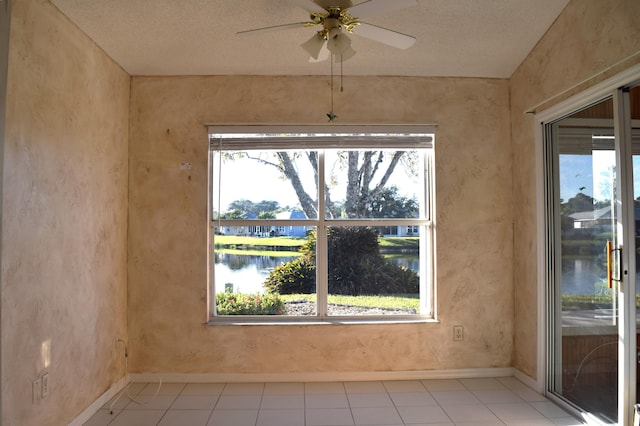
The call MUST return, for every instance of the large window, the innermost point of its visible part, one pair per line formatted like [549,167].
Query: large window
[311,224]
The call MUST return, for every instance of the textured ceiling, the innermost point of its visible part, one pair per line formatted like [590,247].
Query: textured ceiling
[470,38]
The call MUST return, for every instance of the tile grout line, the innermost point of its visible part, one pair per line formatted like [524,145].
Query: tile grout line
[343,390]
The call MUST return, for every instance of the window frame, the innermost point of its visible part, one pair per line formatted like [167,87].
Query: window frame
[375,137]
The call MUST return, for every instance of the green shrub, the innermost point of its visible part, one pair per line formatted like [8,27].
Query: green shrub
[356,267]
[370,274]
[295,276]
[248,304]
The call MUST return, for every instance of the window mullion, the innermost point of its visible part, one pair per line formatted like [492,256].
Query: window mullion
[322,262]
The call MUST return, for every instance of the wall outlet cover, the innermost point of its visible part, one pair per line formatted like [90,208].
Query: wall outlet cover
[37,390]
[45,385]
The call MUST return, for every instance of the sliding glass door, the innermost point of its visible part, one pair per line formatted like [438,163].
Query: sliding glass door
[591,233]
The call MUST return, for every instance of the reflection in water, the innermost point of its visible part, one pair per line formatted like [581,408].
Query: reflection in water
[582,276]
[248,272]
[239,261]
[586,276]
[409,261]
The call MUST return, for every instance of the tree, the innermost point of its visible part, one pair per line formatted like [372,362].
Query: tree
[579,203]
[388,203]
[368,173]
[243,205]
[263,209]
[233,214]
[361,171]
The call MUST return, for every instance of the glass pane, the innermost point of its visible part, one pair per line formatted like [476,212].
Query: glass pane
[370,274]
[265,221]
[264,185]
[259,199]
[585,314]
[264,275]
[374,184]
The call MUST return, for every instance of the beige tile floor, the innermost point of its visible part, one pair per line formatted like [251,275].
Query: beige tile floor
[483,401]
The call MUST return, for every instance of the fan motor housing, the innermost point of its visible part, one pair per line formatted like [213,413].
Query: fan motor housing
[342,4]
[331,23]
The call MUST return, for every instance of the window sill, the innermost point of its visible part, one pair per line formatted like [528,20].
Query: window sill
[253,321]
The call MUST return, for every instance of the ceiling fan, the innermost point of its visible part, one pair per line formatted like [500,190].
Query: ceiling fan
[337,17]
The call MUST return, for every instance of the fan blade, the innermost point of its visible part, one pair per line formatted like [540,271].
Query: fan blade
[384,35]
[375,7]
[274,28]
[309,6]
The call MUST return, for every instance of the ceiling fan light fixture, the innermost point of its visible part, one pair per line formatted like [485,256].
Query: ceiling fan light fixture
[313,46]
[337,42]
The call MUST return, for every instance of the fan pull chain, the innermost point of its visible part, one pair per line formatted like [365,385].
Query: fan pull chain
[331,83]
[331,115]
[341,74]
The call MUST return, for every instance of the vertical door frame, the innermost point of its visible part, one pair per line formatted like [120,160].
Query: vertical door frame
[5,19]
[591,95]
[627,289]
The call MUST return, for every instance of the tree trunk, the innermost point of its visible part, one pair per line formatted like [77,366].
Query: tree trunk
[306,202]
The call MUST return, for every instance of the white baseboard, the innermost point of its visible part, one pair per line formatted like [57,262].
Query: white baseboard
[99,403]
[532,383]
[328,376]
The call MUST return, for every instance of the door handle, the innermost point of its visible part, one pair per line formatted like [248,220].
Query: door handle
[609,264]
[610,260]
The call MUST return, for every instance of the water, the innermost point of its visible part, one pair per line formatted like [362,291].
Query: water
[582,276]
[245,272]
[587,276]
[248,272]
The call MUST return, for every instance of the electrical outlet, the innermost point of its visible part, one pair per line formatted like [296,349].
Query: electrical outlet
[458,332]
[45,385]
[37,390]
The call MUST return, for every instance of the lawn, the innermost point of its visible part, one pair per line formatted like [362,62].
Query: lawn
[235,240]
[400,242]
[574,302]
[293,243]
[397,301]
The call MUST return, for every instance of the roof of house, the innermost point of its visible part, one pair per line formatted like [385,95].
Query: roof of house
[291,214]
[603,213]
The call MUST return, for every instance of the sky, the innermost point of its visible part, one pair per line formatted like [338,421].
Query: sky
[589,174]
[249,179]
[592,175]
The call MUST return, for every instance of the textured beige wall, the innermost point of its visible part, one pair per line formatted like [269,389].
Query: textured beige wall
[64,218]
[65,210]
[168,225]
[590,41]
